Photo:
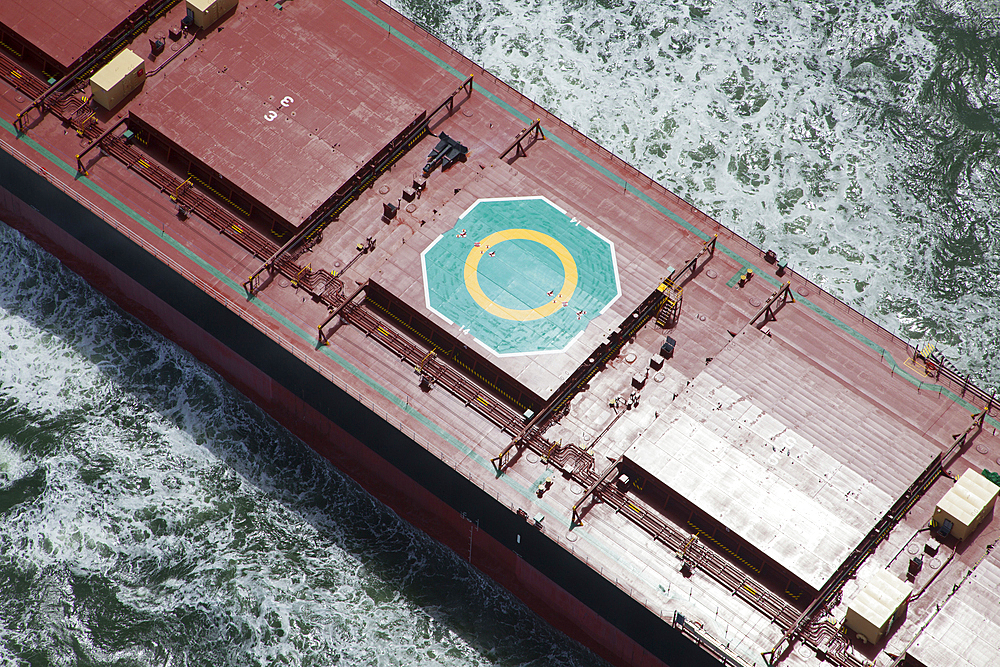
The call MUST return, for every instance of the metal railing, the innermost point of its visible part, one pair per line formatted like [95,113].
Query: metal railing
[100,52]
[363,179]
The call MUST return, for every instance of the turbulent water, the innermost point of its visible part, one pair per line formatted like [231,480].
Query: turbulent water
[151,515]
[858,139]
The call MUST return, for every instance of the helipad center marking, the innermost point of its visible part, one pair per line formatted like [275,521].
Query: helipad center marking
[570,275]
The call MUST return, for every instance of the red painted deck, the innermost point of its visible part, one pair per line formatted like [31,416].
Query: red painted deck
[867,418]
[285,104]
[64,31]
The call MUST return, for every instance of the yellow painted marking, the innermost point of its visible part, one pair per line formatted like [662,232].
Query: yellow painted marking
[570,275]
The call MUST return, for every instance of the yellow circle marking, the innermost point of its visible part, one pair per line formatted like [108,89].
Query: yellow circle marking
[523,315]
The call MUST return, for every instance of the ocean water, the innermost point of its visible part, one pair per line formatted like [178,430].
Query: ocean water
[857,139]
[150,515]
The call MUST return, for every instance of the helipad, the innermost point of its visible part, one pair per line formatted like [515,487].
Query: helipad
[520,275]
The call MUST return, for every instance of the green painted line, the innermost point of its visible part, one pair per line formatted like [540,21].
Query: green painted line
[406,40]
[601,169]
[264,308]
[895,368]
[565,146]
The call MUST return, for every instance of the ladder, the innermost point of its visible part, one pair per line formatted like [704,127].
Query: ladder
[671,308]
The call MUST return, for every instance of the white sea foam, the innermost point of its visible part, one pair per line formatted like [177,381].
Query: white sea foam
[171,510]
[170,522]
[806,127]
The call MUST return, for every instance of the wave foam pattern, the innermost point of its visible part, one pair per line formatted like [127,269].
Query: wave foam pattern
[858,140]
[149,514]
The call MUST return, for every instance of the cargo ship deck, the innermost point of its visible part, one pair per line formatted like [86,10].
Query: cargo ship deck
[667,442]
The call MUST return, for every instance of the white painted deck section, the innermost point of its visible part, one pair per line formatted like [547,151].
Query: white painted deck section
[777,488]
[966,632]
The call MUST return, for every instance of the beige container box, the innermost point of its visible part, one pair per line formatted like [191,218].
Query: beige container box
[879,606]
[116,80]
[206,12]
[966,504]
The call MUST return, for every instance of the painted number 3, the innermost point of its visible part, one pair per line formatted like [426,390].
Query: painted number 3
[286,101]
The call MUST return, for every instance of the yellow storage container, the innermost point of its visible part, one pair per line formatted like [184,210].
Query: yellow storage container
[116,80]
[204,13]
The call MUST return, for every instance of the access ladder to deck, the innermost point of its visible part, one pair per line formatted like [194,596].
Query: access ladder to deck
[670,311]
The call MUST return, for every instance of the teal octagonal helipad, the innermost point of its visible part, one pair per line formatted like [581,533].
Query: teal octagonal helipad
[520,275]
